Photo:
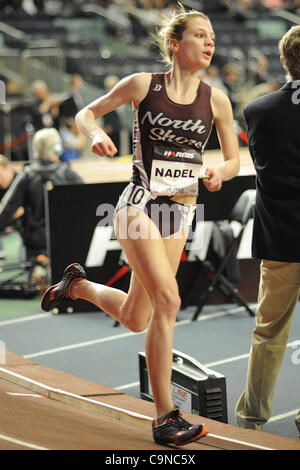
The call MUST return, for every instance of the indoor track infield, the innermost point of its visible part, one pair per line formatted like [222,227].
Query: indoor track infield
[46,409]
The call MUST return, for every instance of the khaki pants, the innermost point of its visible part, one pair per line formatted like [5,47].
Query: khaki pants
[278,294]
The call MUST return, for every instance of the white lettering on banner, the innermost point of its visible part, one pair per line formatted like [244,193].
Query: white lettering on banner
[103,239]
[101,243]
[199,243]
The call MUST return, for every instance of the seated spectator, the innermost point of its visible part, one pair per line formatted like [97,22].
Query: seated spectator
[27,191]
[73,141]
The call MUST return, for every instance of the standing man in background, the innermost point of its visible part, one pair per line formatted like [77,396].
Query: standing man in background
[44,106]
[111,120]
[274,142]
[74,102]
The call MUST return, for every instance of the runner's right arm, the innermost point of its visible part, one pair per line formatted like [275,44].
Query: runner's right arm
[132,88]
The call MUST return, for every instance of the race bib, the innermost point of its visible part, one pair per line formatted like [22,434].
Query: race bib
[175,171]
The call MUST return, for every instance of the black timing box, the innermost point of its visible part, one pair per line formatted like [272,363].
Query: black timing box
[195,388]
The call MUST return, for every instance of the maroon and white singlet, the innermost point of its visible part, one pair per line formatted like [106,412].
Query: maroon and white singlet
[169,140]
[168,143]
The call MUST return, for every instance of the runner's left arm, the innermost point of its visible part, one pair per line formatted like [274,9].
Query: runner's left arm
[223,118]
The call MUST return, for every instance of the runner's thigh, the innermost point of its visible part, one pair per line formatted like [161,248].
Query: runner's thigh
[138,297]
[153,260]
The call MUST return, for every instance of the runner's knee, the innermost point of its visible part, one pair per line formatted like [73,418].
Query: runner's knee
[166,300]
[134,322]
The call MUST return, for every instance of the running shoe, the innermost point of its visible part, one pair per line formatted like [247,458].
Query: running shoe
[173,429]
[55,294]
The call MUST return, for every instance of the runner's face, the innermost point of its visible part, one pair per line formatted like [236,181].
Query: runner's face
[196,47]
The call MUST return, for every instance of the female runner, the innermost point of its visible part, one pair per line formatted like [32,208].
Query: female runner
[174,113]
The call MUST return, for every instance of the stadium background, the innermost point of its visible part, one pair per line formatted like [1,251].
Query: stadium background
[52,40]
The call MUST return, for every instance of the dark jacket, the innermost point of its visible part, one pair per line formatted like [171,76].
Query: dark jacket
[27,191]
[2,194]
[273,124]
[71,105]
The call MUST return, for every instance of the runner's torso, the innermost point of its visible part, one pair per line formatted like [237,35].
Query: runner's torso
[169,140]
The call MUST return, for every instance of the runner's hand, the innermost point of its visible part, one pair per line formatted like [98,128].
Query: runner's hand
[214,182]
[102,145]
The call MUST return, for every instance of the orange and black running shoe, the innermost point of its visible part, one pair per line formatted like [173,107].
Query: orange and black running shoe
[55,294]
[173,429]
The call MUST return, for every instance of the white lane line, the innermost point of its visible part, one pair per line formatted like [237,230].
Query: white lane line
[39,316]
[283,415]
[228,359]
[229,439]
[123,335]
[33,395]
[79,345]
[105,409]
[241,356]
[22,443]
[209,364]
[131,385]
[24,319]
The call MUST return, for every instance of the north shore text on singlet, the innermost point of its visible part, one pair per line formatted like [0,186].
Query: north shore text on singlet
[169,140]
